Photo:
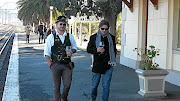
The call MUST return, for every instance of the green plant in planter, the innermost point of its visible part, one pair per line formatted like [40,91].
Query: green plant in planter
[148,58]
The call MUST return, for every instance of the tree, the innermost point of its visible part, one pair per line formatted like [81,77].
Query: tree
[118,28]
[108,9]
[31,11]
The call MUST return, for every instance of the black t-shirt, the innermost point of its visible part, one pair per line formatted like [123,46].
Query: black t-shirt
[106,44]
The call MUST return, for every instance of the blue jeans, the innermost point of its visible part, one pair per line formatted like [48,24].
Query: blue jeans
[106,79]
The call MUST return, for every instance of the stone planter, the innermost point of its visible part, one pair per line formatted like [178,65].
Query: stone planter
[152,82]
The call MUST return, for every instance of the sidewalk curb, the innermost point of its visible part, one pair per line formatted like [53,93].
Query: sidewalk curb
[11,90]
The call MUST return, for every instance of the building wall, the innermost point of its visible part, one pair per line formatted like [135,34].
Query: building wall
[162,33]
[157,29]
[173,55]
[176,63]
[130,31]
[156,33]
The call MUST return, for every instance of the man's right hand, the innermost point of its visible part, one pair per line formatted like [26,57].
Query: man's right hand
[48,59]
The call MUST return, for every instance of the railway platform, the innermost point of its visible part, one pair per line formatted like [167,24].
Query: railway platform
[30,79]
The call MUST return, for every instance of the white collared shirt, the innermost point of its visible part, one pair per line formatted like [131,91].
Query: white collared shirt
[50,42]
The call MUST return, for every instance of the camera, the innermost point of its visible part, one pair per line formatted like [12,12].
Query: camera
[112,63]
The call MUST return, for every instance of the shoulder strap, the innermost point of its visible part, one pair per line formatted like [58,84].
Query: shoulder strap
[54,34]
[67,40]
[68,36]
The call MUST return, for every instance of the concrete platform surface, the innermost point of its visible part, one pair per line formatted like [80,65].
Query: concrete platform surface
[36,84]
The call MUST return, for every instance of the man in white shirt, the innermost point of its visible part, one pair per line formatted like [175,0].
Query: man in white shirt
[58,58]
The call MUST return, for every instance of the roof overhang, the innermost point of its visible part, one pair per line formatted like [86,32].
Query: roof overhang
[155,3]
[129,3]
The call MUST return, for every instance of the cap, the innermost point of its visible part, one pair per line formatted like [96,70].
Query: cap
[61,18]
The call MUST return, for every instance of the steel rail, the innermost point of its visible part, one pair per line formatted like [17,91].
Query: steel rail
[6,33]
[2,27]
[7,41]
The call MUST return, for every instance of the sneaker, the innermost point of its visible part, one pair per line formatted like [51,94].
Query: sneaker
[64,99]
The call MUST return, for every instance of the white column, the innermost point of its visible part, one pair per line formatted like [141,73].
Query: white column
[75,26]
[172,23]
[5,16]
[81,33]
[72,28]
[89,29]
[33,28]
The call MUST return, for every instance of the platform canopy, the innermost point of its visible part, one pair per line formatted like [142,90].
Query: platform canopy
[84,19]
[77,31]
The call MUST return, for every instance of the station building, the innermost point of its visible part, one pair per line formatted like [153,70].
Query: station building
[152,22]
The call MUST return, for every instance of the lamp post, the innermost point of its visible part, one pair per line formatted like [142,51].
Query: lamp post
[51,9]
[6,16]
[3,16]
[0,14]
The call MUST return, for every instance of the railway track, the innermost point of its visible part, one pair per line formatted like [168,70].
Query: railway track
[4,28]
[6,41]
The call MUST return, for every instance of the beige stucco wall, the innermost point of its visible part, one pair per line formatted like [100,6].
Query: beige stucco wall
[162,35]
[176,63]
[131,31]
[176,53]
[157,29]
[162,31]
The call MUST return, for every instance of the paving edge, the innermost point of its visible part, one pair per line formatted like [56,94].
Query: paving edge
[11,90]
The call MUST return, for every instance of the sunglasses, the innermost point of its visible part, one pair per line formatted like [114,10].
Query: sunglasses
[104,29]
[62,24]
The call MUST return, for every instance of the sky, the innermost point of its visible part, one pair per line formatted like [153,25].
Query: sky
[8,4]
[8,11]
